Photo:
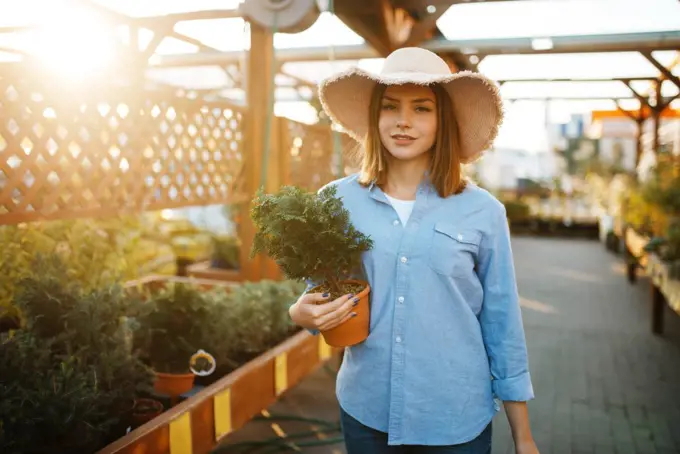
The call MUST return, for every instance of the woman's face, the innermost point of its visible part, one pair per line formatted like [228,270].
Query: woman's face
[408,121]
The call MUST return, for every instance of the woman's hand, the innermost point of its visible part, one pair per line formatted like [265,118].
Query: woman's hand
[526,447]
[312,311]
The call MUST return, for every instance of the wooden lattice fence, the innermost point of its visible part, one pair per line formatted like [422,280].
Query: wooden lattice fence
[113,152]
[313,161]
[105,152]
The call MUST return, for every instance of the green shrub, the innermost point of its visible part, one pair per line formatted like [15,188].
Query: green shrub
[309,235]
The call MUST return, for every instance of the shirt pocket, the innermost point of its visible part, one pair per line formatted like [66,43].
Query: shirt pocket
[453,251]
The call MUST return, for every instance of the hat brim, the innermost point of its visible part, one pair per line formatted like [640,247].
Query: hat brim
[477,103]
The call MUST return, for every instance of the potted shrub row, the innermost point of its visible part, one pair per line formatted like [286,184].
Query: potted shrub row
[232,325]
[662,192]
[69,382]
[83,366]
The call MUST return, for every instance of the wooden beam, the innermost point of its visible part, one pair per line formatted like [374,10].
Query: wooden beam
[151,21]
[640,118]
[644,100]
[194,41]
[158,37]
[165,26]
[665,72]
[398,24]
[564,44]
[635,117]
[425,28]
[373,35]
[667,102]
[628,79]
[562,98]
[369,23]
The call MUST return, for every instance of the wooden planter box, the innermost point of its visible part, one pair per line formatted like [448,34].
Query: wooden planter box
[636,255]
[665,289]
[203,270]
[200,422]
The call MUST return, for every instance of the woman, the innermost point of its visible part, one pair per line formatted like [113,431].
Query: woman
[446,336]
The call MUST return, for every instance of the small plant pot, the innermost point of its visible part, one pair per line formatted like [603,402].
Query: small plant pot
[145,410]
[674,270]
[222,264]
[173,385]
[356,329]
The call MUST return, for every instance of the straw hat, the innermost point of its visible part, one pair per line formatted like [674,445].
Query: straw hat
[477,103]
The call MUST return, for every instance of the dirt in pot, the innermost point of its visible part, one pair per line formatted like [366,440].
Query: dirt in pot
[346,287]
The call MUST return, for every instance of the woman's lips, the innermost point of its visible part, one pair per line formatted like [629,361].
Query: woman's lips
[402,139]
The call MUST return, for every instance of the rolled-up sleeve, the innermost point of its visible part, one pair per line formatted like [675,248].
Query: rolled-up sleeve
[501,316]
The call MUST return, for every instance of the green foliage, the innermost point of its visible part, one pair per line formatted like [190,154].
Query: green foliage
[645,217]
[308,235]
[175,323]
[68,374]
[48,404]
[95,253]
[233,325]
[226,251]
[258,315]
[663,188]
[516,210]
[654,208]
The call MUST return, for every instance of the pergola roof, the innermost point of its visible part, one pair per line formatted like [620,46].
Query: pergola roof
[204,43]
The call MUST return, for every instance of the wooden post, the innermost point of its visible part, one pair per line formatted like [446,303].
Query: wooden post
[657,306]
[638,138]
[259,86]
[277,176]
[656,115]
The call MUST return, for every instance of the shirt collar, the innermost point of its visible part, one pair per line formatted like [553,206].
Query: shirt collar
[425,187]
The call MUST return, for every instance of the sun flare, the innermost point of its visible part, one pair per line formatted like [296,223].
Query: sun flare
[71,42]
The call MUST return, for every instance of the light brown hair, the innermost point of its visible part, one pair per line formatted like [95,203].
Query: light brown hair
[446,172]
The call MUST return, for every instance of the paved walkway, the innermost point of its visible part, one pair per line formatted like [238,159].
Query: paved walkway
[604,384]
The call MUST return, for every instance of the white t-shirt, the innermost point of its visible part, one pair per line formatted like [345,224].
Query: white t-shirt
[403,207]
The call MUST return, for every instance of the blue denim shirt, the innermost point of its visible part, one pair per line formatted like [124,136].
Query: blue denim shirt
[446,335]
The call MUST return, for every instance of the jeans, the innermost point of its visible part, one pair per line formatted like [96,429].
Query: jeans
[360,439]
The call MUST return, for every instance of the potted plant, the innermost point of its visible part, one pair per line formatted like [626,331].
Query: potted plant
[144,410]
[177,322]
[254,317]
[310,237]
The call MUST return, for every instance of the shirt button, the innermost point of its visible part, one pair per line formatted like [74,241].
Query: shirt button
[395,222]
[398,339]
[460,237]
[404,260]
[401,299]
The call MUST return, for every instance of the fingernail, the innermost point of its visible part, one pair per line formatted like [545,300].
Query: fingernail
[349,297]
[325,295]
[356,301]
[354,314]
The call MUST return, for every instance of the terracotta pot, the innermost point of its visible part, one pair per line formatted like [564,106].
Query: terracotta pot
[173,385]
[145,410]
[355,330]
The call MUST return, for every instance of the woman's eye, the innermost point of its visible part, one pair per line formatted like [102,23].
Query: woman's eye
[423,109]
[388,107]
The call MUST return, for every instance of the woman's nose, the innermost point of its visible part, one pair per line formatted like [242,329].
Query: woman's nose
[403,123]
